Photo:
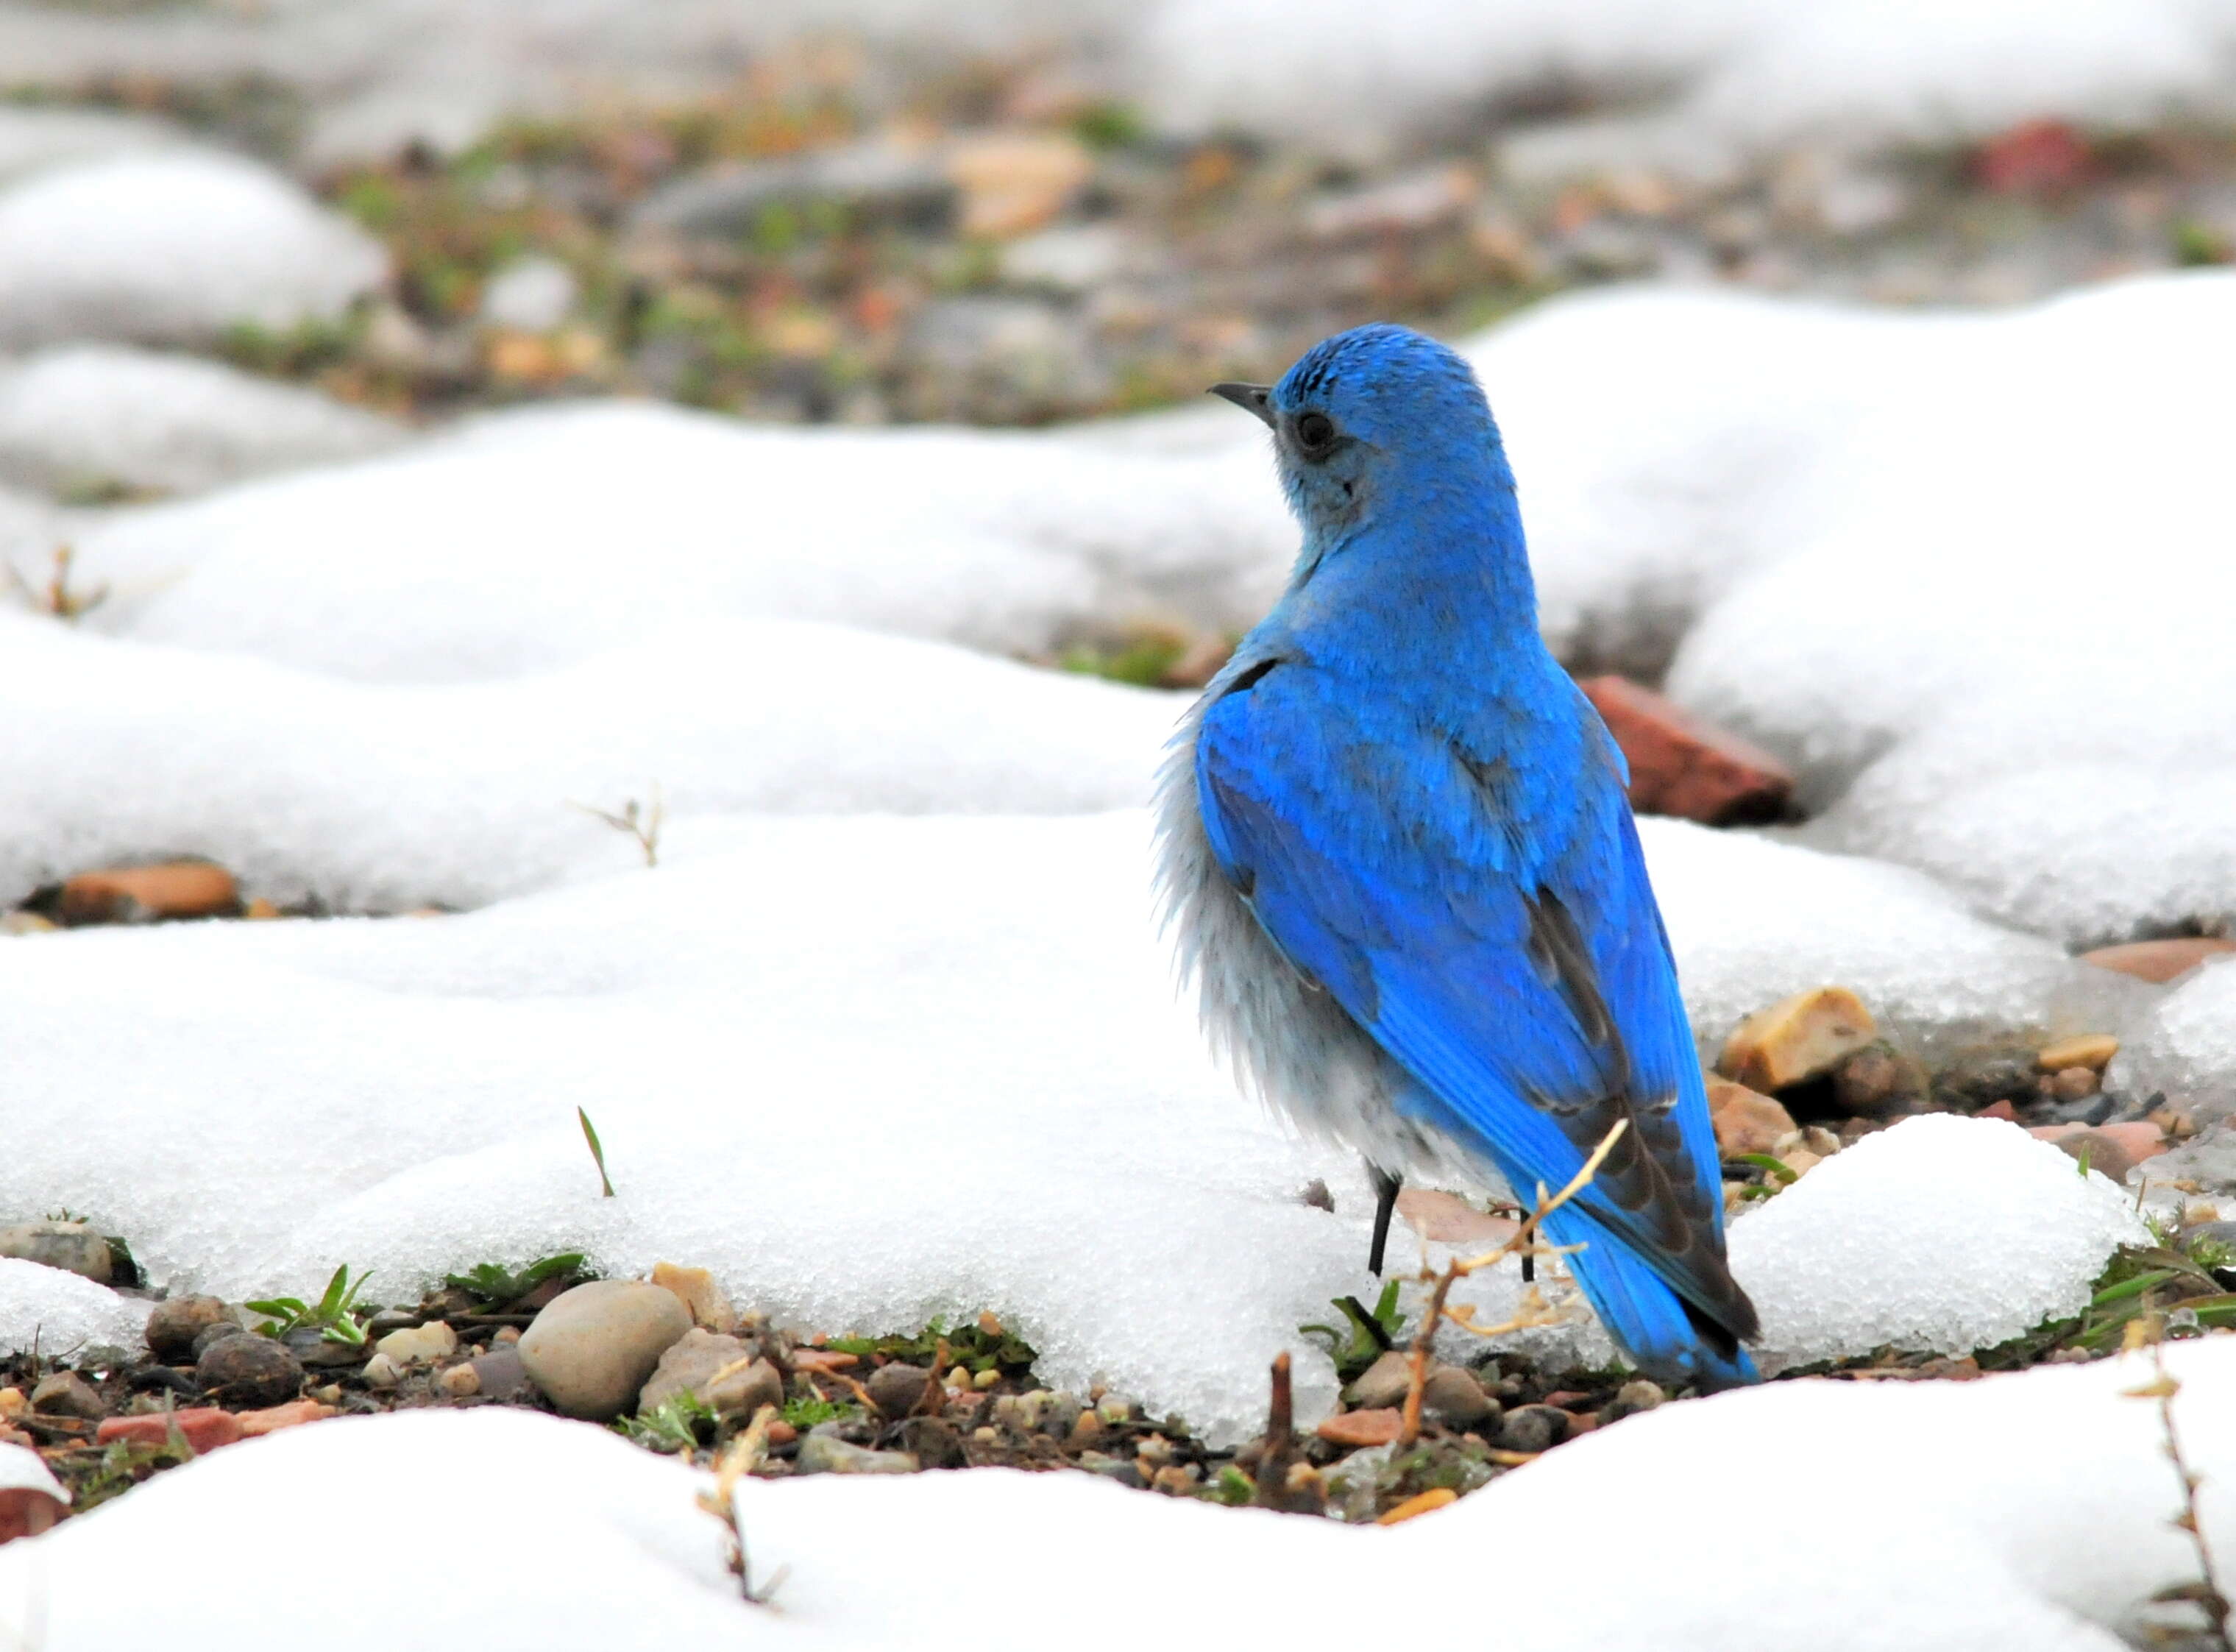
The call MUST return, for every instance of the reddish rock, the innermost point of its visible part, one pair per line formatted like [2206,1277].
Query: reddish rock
[26,1514]
[1376,1427]
[2034,157]
[781,1432]
[274,1417]
[2160,961]
[2114,1149]
[1681,766]
[1999,1109]
[137,894]
[206,1428]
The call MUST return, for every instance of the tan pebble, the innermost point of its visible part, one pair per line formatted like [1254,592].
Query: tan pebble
[459,1382]
[986,1379]
[1745,1120]
[13,1405]
[2093,1051]
[329,1395]
[1796,1038]
[1088,1427]
[1011,185]
[988,1324]
[507,1333]
[986,1435]
[261,910]
[1376,1427]
[381,1372]
[1174,1479]
[1820,1141]
[2160,961]
[2074,1083]
[695,1288]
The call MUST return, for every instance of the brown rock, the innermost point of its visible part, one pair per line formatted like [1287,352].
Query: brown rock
[898,1388]
[1744,1121]
[177,1321]
[1796,1038]
[1874,1082]
[249,1372]
[2074,1083]
[1376,1427]
[592,1348]
[1454,1399]
[64,1393]
[2160,961]
[724,1373]
[141,894]
[204,1428]
[2094,1050]
[1384,1383]
[1681,766]
[273,1418]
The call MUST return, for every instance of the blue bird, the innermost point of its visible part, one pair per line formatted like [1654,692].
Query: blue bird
[1397,850]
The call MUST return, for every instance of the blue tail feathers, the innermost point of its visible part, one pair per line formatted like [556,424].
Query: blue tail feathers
[1647,1318]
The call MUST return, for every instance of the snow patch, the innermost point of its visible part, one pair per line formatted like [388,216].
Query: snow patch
[172,249]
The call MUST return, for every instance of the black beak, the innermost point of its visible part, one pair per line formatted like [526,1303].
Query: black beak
[1251,398]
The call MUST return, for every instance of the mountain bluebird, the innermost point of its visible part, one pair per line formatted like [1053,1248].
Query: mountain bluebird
[1403,874]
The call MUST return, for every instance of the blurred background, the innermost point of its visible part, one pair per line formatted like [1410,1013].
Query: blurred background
[866,212]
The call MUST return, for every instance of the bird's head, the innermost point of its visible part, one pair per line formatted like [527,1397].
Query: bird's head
[1374,414]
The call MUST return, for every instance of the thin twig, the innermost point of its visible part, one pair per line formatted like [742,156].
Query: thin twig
[741,1459]
[2205,1594]
[1523,1239]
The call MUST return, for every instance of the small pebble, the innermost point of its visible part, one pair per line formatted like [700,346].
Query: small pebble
[459,1382]
[822,1453]
[2094,1050]
[897,1389]
[1631,1397]
[1533,1428]
[64,1393]
[1384,1383]
[1796,1039]
[249,1372]
[420,1344]
[210,1335]
[2074,1083]
[1454,1398]
[381,1372]
[1376,1427]
[174,1324]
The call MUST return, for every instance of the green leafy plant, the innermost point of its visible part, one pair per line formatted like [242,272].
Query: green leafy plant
[1367,1335]
[981,1347]
[805,1413]
[683,1424]
[494,1286]
[597,1151]
[337,1315]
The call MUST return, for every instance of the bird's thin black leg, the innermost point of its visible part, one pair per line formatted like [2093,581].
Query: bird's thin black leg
[1386,1201]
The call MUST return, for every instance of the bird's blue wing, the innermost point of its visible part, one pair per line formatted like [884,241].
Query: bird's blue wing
[1495,931]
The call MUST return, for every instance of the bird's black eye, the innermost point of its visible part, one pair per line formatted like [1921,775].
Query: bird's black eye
[1315,433]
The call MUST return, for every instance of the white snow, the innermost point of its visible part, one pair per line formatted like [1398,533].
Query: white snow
[83,414]
[377,797]
[2188,1048]
[172,248]
[33,138]
[534,539]
[1962,571]
[867,1068]
[1944,1233]
[2027,1513]
[62,1314]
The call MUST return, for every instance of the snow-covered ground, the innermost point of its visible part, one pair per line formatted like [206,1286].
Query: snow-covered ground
[2029,1513]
